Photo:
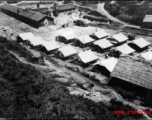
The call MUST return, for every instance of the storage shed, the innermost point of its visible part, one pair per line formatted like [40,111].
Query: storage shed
[84,41]
[147,22]
[29,17]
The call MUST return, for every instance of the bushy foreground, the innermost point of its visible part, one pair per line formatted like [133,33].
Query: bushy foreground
[25,93]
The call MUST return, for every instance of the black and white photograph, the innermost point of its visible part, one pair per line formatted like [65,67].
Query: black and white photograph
[76,59]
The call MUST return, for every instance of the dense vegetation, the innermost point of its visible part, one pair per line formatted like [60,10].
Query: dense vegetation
[26,93]
[129,11]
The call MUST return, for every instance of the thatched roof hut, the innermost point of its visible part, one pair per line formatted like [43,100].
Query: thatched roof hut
[134,70]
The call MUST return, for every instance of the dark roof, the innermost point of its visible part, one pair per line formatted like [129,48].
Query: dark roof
[26,13]
[65,7]
[135,70]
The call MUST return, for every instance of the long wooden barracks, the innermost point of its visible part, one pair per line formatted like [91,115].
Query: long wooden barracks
[29,17]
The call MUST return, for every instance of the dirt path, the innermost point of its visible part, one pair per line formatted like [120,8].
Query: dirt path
[79,77]
[100,8]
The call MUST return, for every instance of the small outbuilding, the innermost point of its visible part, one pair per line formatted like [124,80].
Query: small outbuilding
[105,67]
[67,37]
[51,47]
[84,41]
[139,44]
[125,49]
[147,22]
[118,39]
[102,45]
[66,52]
[86,58]
[147,55]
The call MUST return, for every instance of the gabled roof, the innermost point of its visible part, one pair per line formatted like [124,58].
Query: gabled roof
[147,55]
[85,39]
[87,56]
[103,43]
[120,37]
[148,18]
[69,35]
[101,34]
[22,12]
[109,63]
[26,36]
[52,45]
[125,49]
[68,50]
[134,70]
[35,41]
[140,42]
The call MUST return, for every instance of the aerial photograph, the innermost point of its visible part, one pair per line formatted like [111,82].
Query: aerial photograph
[76,59]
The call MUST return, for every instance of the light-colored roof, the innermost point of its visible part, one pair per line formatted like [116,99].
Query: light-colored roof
[125,49]
[141,42]
[147,55]
[108,63]
[85,39]
[103,43]
[87,56]
[52,45]
[120,37]
[148,18]
[69,35]
[35,41]
[68,50]
[26,36]
[101,34]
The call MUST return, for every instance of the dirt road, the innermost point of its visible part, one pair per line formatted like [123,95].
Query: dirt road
[100,8]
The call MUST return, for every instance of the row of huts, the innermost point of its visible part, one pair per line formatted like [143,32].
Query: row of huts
[126,68]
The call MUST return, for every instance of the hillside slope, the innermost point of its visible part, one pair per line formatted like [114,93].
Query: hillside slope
[27,93]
